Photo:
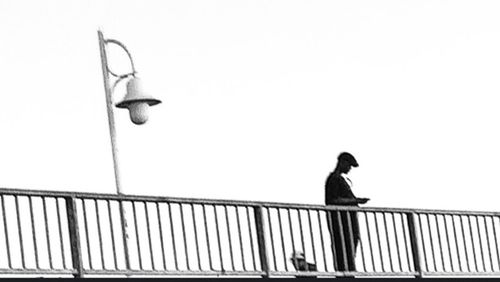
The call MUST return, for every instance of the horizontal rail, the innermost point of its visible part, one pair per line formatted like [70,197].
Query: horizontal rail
[69,233]
[462,274]
[87,195]
[37,271]
[173,273]
[342,274]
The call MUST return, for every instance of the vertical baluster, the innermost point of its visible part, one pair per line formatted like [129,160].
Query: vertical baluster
[150,243]
[33,232]
[99,232]
[47,233]
[291,232]
[384,215]
[488,241]
[378,240]
[84,208]
[370,242]
[322,239]
[472,242]
[229,238]
[19,229]
[7,242]
[456,243]
[173,236]
[465,243]
[251,238]
[432,242]
[162,243]
[61,240]
[361,248]
[184,236]
[218,239]
[403,226]
[480,243]
[111,228]
[448,241]
[312,236]
[272,250]
[280,226]
[397,241]
[196,237]
[495,237]
[137,240]
[240,238]
[302,237]
[420,216]
[208,238]
[438,232]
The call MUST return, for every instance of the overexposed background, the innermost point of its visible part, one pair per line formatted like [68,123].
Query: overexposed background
[259,97]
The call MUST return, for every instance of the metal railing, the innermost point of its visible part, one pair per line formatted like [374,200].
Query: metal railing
[84,234]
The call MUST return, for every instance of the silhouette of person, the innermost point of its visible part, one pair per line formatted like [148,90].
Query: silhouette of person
[343,225]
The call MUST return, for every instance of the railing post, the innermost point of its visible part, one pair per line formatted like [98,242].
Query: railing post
[415,243]
[261,240]
[74,236]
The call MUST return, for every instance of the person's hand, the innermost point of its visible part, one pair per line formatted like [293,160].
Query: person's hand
[362,200]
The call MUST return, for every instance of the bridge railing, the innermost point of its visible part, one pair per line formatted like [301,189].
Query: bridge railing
[84,234]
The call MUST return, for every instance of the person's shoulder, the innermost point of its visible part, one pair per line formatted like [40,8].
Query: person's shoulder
[334,176]
[334,179]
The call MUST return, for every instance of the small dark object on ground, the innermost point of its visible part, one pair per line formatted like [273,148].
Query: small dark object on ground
[299,262]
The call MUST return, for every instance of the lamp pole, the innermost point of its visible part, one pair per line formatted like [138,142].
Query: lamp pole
[112,134]
[109,106]
[137,103]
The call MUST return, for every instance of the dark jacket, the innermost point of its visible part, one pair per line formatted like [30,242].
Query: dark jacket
[337,187]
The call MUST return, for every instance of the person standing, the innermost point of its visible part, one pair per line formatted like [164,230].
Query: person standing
[343,225]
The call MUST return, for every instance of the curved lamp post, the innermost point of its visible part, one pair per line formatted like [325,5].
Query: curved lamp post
[135,100]
[137,103]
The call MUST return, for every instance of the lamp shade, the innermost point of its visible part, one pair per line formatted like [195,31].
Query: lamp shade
[137,102]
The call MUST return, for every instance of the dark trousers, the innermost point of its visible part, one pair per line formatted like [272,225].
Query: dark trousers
[344,229]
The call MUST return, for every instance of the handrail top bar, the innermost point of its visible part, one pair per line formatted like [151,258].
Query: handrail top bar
[132,197]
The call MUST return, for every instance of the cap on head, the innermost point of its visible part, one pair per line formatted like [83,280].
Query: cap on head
[297,255]
[349,158]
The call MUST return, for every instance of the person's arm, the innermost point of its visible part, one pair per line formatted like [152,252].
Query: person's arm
[339,193]
[346,197]
[362,200]
[344,201]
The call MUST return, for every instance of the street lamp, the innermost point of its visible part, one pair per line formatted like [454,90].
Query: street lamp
[135,100]
[137,103]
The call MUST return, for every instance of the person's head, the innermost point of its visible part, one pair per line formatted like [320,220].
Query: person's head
[298,255]
[298,260]
[345,161]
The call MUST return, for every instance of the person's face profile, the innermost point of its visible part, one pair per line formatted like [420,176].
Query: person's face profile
[345,166]
[348,168]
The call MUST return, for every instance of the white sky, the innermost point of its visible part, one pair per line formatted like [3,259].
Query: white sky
[259,97]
